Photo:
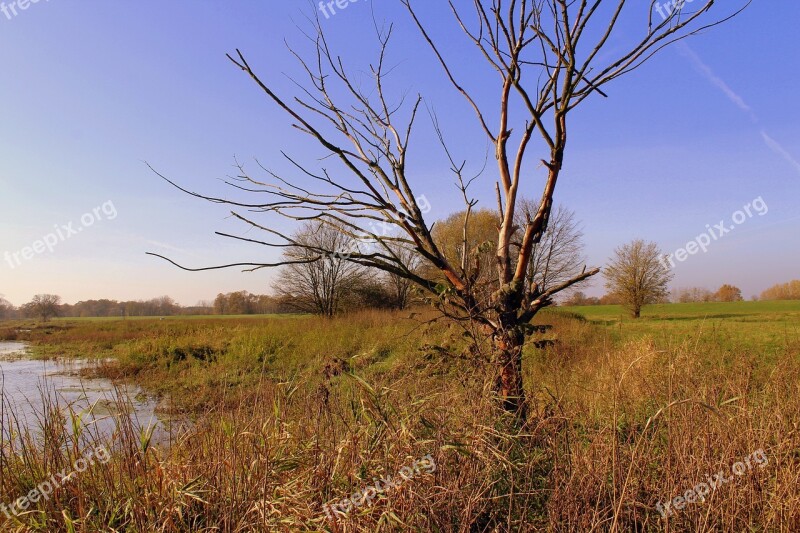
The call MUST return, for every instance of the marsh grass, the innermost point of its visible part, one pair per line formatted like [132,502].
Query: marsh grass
[291,414]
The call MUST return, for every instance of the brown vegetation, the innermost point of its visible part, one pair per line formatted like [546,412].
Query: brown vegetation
[293,421]
[784,291]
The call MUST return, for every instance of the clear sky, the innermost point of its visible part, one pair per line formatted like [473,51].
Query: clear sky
[91,90]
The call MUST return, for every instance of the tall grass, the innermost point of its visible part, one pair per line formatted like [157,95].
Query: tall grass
[291,414]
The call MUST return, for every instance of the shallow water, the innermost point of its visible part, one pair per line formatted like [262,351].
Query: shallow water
[26,384]
[9,348]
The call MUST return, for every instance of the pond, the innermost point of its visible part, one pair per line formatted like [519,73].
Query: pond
[28,385]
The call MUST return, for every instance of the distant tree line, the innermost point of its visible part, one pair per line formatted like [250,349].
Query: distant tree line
[783,291]
[726,293]
[47,306]
[245,303]
[320,276]
[357,290]
[362,292]
[6,309]
[579,298]
[161,306]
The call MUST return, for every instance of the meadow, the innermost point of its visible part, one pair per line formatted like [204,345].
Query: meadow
[764,326]
[291,413]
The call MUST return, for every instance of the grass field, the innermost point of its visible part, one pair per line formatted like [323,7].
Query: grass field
[783,310]
[762,326]
[289,415]
[176,317]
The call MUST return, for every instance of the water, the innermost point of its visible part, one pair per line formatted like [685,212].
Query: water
[9,348]
[26,384]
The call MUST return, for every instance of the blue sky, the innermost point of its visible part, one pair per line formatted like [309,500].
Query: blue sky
[92,90]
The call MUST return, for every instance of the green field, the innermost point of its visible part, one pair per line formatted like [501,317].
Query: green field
[693,310]
[752,325]
[176,317]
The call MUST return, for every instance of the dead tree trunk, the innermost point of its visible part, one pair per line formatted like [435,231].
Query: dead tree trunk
[509,387]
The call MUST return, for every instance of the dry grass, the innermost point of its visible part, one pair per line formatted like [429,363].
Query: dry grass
[297,413]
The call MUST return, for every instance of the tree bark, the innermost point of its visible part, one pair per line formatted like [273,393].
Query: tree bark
[508,361]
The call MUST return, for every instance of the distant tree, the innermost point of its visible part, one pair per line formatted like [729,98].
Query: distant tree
[558,257]
[368,293]
[265,305]
[469,242]
[93,308]
[728,293]
[783,291]
[243,303]
[44,306]
[202,307]
[6,309]
[239,303]
[610,299]
[637,275]
[314,282]
[579,298]
[692,295]
[576,298]
[221,304]
[162,306]
[166,306]
[133,308]
[400,288]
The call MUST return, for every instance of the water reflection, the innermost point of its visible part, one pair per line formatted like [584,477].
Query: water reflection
[29,385]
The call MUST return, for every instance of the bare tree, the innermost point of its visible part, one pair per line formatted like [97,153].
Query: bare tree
[399,286]
[692,294]
[558,257]
[318,286]
[579,298]
[637,275]
[44,306]
[545,57]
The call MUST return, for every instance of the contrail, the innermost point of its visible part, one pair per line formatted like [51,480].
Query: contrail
[737,100]
[706,71]
[780,150]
